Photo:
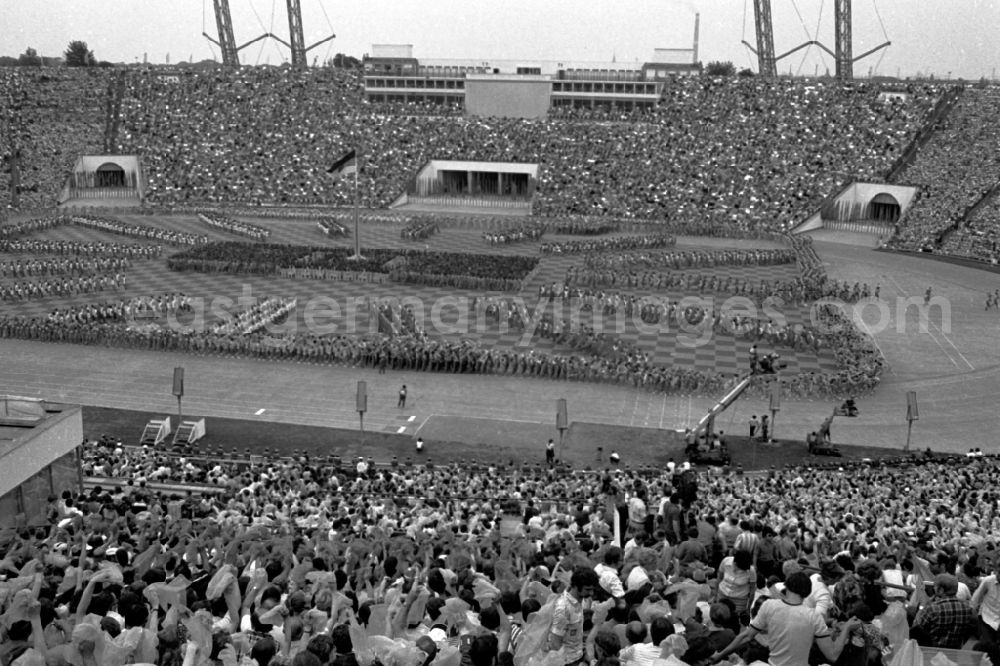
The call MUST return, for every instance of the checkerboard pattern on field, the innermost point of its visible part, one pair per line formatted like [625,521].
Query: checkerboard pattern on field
[722,353]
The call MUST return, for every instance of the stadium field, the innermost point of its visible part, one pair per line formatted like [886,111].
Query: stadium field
[951,367]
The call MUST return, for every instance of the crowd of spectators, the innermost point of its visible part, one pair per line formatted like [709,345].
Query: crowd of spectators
[54,115]
[740,152]
[714,140]
[979,237]
[954,170]
[304,561]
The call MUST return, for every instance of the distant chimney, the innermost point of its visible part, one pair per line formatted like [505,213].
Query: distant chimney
[697,20]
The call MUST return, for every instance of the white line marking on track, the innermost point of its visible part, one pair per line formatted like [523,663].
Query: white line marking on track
[411,419]
[942,334]
[401,430]
[259,412]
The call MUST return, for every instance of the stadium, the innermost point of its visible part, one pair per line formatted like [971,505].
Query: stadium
[492,361]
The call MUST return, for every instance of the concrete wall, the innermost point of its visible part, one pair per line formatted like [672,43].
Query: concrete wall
[432,168]
[814,222]
[500,97]
[40,446]
[861,194]
[864,192]
[92,162]
[41,461]
[26,504]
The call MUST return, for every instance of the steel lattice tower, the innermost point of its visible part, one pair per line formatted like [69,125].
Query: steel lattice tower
[227,42]
[766,63]
[843,43]
[297,41]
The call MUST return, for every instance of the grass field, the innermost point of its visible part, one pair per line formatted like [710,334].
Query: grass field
[723,353]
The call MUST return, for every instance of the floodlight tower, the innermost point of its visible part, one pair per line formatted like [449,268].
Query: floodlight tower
[226,41]
[297,42]
[844,56]
[766,62]
[843,45]
[295,35]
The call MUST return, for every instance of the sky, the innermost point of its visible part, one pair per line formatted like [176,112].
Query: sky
[947,38]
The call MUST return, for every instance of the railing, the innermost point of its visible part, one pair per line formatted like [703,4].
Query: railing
[983,201]
[65,192]
[524,188]
[829,200]
[623,76]
[964,218]
[143,182]
[103,193]
[91,482]
[470,201]
[842,211]
[924,134]
[874,228]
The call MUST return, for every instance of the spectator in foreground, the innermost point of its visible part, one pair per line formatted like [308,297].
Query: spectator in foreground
[792,628]
[946,622]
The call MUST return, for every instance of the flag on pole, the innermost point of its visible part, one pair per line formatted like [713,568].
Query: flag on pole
[345,166]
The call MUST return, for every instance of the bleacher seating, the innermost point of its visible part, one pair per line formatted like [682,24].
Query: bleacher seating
[738,151]
[955,169]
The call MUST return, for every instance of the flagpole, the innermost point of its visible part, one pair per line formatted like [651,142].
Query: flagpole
[357,235]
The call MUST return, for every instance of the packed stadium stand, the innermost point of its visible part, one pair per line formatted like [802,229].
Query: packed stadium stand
[979,237]
[53,116]
[740,151]
[955,170]
[179,558]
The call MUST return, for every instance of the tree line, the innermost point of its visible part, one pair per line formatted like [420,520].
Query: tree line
[77,54]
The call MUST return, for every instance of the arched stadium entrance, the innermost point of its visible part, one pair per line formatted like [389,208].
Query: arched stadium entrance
[110,179]
[109,174]
[884,208]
